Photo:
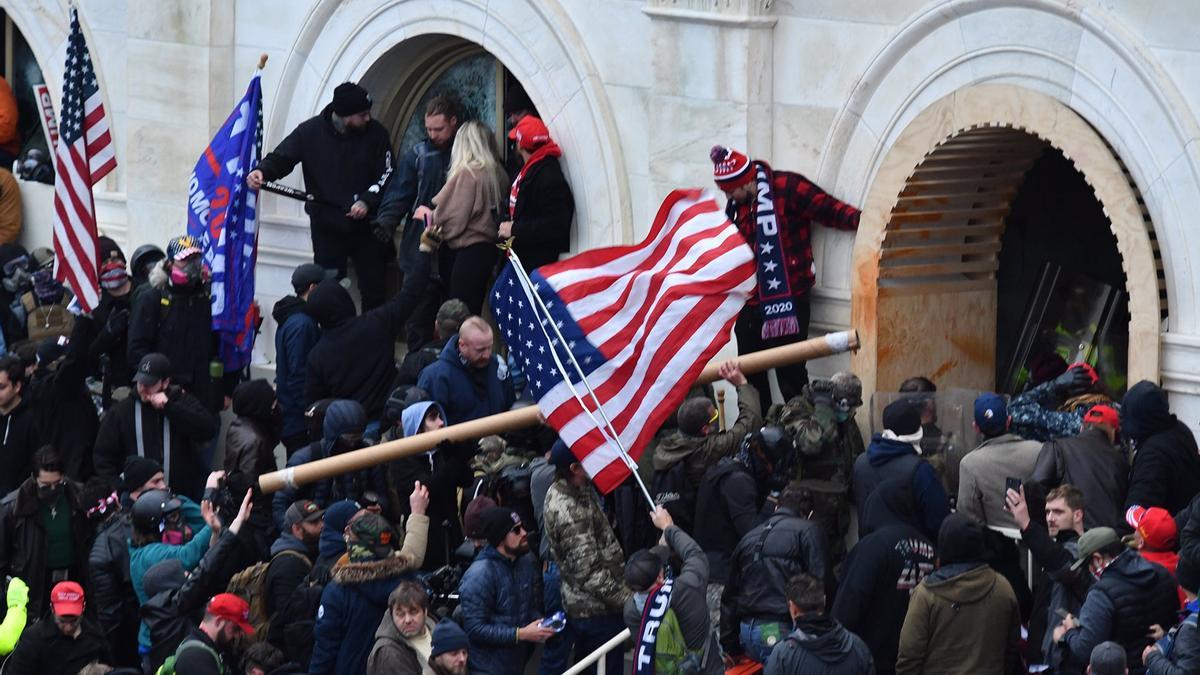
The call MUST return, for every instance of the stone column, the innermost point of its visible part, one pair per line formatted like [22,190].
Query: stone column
[712,84]
[180,83]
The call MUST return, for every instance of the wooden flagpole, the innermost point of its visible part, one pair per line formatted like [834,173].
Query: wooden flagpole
[757,362]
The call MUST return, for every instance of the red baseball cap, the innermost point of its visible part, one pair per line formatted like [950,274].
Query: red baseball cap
[1156,526]
[529,132]
[231,608]
[1103,414]
[67,598]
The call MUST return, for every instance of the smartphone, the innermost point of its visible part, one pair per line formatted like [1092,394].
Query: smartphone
[1013,484]
[556,621]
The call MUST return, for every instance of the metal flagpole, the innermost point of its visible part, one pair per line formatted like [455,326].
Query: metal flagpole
[536,303]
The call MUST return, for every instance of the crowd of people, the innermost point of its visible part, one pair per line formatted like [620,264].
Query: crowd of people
[779,541]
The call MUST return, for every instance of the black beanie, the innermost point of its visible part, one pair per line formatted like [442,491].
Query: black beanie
[960,540]
[1187,573]
[350,99]
[137,471]
[496,523]
[902,418]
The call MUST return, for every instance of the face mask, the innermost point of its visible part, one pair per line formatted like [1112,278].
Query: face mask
[187,274]
[48,494]
[841,415]
[113,275]
[343,444]
[47,289]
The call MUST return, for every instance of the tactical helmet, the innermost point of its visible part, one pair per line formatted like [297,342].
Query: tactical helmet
[778,449]
[847,388]
[146,254]
[151,508]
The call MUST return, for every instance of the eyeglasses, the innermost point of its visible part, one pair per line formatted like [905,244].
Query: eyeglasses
[715,416]
[518,528]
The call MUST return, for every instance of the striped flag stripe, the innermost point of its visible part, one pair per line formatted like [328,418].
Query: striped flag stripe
[84,155]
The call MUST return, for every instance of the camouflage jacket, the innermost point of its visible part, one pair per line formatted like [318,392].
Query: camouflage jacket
[1037,414]
[589,558]
[826,448]
[702,452]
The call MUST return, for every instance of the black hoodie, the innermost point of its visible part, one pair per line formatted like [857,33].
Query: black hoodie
[355,357]
[1166,467]
[820,645]
[881,570]
[19,439]
[295,334]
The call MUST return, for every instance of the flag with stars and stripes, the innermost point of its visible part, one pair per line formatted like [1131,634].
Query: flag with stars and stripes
[640,321]
[222,214]
[84,155]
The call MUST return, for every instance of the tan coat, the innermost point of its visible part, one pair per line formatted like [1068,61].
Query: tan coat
[466,209]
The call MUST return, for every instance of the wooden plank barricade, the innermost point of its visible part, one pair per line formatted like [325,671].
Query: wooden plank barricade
[757,362]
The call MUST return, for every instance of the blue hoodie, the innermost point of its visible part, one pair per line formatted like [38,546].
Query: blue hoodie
[889,458]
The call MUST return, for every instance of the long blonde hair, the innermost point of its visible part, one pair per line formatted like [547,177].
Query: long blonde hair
[475,150]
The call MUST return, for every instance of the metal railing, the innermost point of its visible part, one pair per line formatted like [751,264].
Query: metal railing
[616,641]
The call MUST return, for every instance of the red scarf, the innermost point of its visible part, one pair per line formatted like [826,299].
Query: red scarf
[547,149]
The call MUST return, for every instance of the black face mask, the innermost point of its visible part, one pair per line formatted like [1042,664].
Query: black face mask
[48,494]
[343,444]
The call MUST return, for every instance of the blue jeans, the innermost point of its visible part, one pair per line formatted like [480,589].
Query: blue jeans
[757,645]
[557,652]
[593,632]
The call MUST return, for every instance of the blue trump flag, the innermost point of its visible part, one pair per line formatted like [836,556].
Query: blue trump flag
[222,216]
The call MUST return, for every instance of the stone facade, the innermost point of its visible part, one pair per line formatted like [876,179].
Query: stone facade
[637,90]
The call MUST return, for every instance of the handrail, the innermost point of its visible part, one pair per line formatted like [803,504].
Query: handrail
[594,657]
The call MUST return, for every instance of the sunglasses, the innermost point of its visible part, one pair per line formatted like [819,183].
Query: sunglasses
[518,528]
[715,416]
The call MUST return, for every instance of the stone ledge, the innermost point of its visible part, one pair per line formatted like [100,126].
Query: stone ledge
[701,16]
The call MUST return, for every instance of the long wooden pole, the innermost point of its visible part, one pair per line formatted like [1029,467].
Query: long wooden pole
[757,362]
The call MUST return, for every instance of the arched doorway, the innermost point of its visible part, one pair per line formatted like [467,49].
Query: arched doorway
[927,262]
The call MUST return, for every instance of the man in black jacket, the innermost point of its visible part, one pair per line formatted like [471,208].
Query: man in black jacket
[1054,548]
[172,316]
[63,407]
[1130,595]
[882,570]
[1166,463]
[161,419]
[408,203]
[293,553]
[346,158]
[107,355]
[63,645]
[109,584]
[17,416]
[355,358]
[250,452]
[818,644]
[1091,462]
[43,530]
[730,500]
[540,204]
[754,604]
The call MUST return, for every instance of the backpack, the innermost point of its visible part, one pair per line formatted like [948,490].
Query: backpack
[251,585]
[671,655]
[43,321]
[293,633]
[672,490]
[168,666]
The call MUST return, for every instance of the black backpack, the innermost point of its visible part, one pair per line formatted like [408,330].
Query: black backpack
[292,628]
[672,490]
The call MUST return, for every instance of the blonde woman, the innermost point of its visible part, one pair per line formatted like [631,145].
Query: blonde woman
[468,209]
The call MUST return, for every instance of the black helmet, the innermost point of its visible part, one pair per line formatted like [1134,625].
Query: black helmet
[778,449]
[144,255]
[151,508]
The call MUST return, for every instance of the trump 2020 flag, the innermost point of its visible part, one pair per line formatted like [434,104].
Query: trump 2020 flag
[639,321]
[222,215]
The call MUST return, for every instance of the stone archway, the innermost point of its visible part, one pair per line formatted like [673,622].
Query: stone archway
[534,39]
[993,127]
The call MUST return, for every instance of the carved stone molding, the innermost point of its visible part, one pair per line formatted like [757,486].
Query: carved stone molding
[740,13]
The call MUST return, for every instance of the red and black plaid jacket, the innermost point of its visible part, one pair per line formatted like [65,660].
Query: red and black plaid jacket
[798,202]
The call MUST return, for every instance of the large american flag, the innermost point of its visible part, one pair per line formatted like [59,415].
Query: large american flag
[641,321]
[84,155]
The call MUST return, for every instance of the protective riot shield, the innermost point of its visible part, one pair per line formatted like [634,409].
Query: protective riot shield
[947,418]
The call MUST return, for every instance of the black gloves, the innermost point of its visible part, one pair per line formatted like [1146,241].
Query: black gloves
[1073,382]
[381,233]
[117,323]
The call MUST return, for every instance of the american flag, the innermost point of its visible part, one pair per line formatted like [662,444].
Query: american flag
[84,155]
[641,321]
